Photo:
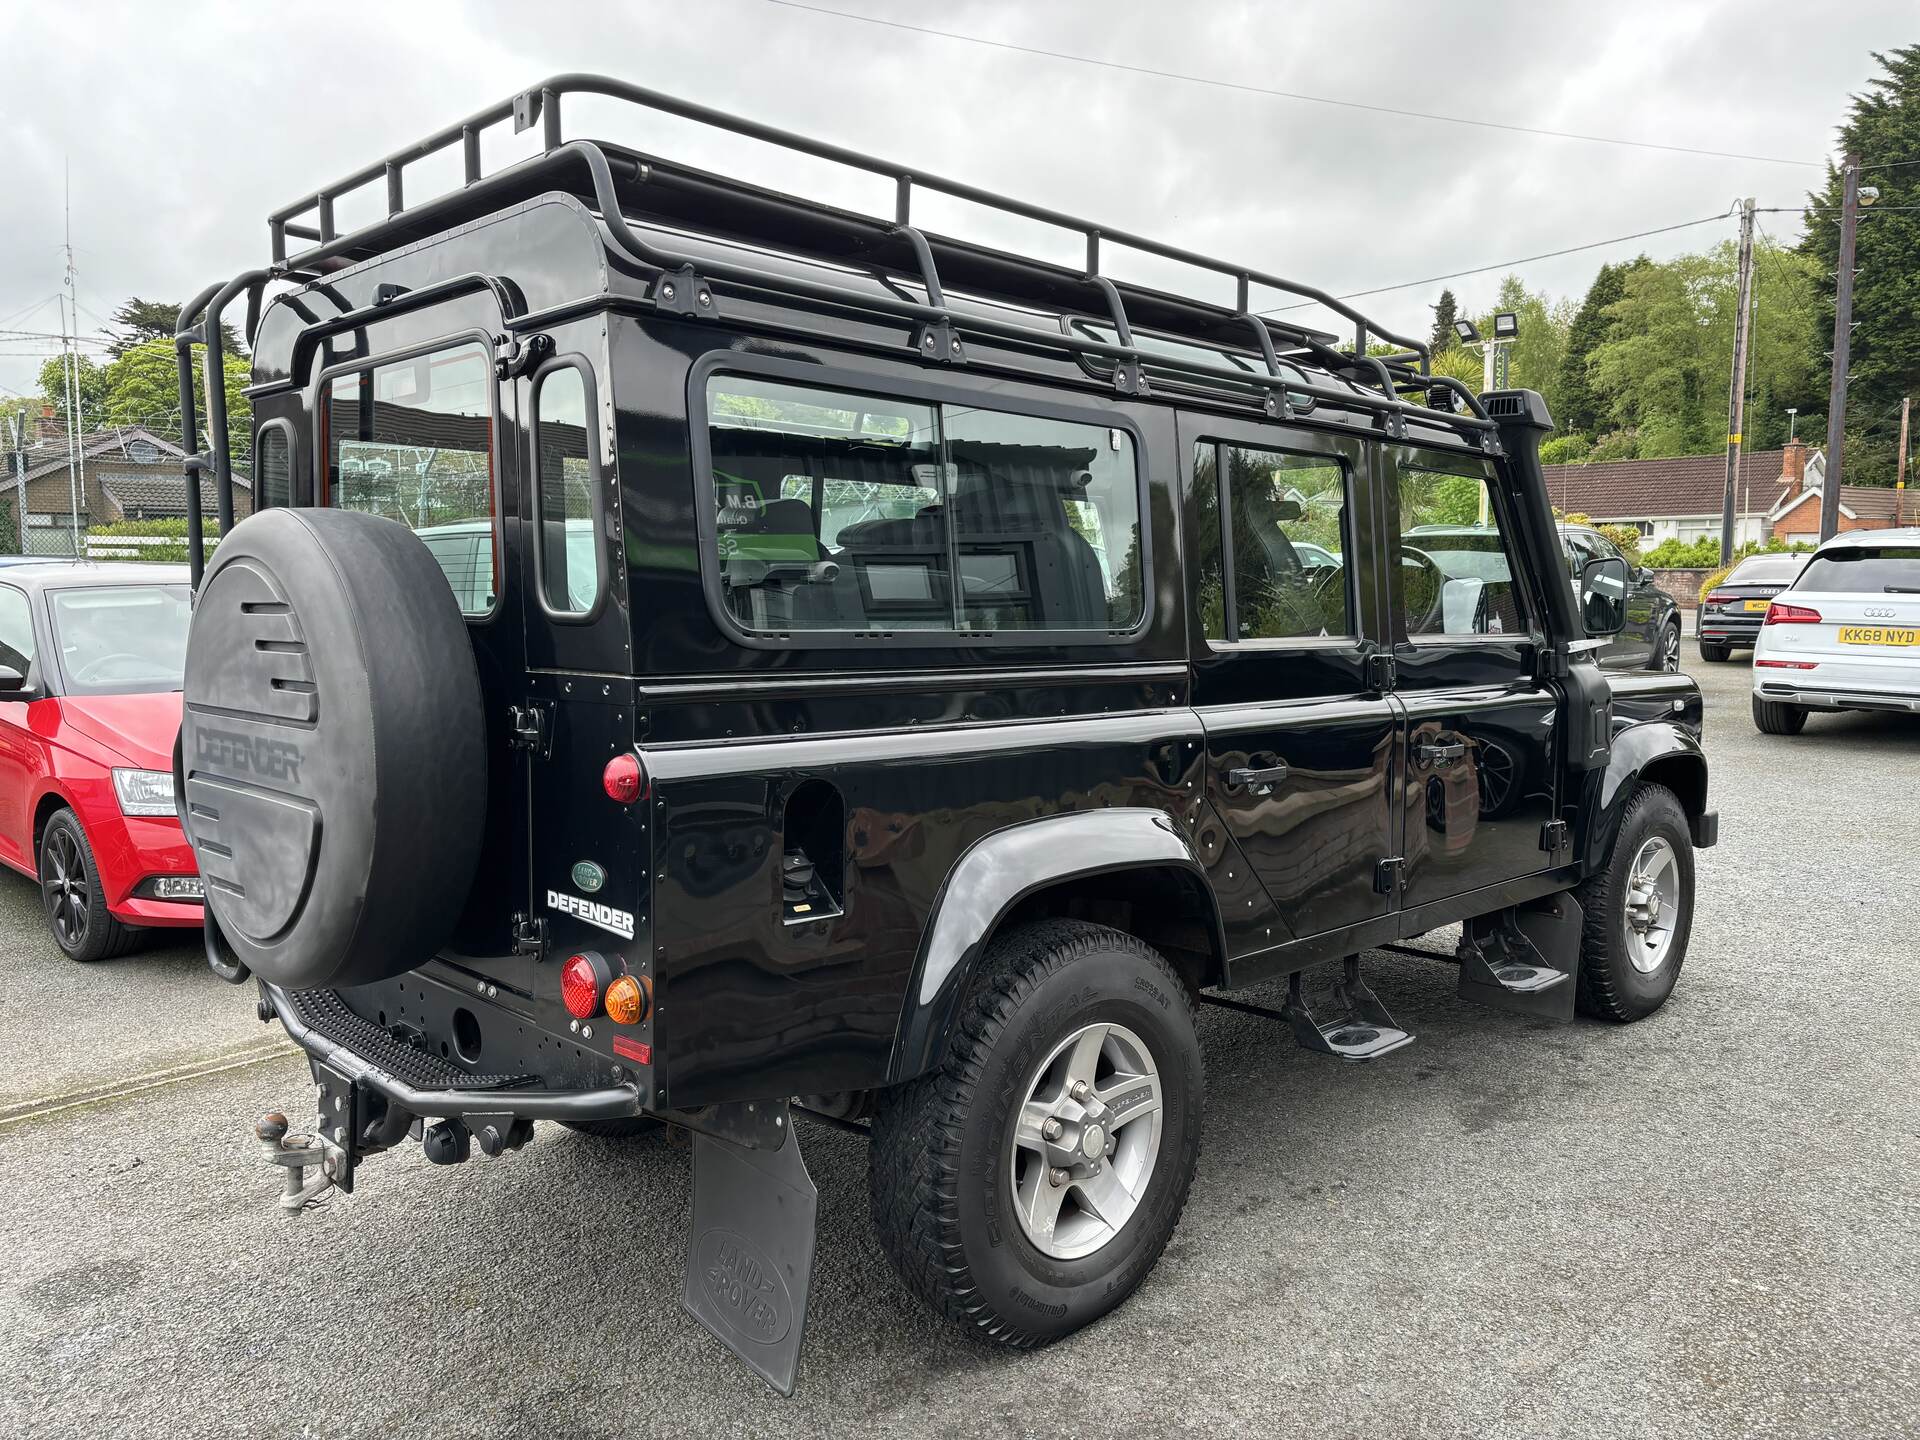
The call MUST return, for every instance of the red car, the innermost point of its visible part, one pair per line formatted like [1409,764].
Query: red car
[90,663]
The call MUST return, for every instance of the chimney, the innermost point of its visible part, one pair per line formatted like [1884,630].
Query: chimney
[49,430]
[1793,468]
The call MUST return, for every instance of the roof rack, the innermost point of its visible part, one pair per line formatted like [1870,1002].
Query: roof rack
[684,286]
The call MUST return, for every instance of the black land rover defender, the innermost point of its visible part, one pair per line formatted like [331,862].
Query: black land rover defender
[707,658]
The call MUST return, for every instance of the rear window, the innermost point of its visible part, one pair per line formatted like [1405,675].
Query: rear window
[838,511]
[413,440]
[1868,569]
[1766,570]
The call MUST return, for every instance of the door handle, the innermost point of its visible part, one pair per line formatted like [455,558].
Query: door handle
[1442,754]
[1261,778]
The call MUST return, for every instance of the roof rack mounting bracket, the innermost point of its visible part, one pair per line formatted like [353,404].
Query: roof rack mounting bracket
[685,292]
[937,344]
[1129,378]
[514,357]
[526,110]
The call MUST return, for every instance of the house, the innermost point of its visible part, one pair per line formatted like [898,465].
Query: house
[129,473]
[1674,499]
[1795,516]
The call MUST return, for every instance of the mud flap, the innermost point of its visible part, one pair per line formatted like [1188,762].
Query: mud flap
[750,1251]
[1526,959]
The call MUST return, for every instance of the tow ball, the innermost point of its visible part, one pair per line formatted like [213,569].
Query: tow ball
[297,1154]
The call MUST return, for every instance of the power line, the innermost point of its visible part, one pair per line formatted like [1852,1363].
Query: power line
[1501,265]
[1889,165]
[1288,94]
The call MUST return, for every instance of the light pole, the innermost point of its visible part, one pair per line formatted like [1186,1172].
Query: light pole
[1493,363]
[1793,418]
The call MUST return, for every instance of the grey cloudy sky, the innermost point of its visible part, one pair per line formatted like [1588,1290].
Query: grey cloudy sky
[170,189]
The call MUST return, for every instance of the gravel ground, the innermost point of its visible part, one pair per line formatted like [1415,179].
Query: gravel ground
[1704,1224]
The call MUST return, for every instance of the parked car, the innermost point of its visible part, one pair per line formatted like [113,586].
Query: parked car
[91,658]
[1731,612]
[833,773]
[1845,635]
[1650,639]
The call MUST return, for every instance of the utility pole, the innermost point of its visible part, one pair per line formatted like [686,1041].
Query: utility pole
[74,426]
[20,478]
[1842,347]
[1900,470]
[1737,401]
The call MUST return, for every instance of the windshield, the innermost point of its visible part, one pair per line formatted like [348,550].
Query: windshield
[121,639]
[1766,570]
[1865,569]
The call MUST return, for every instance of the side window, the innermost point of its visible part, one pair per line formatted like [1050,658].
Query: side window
[273,465]
[1283,523]
[1455,574]
[564,484]
[838,511]
[16,630]
[413,440]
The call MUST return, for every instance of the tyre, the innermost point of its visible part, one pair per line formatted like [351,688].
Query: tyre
[1026,1186]
[1639,911]
[1666,650]
[1717,653]
[70,890]
[630,1127]
[1776,717]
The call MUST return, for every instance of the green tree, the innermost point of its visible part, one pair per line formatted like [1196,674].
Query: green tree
[142,387]
[143,320]
[1883,129]
[1582,409]
[1534,362]
[1444,314]
[54,377]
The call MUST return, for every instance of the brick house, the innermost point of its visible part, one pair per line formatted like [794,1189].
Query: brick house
[1796,515]
[1673,499]
[130,473]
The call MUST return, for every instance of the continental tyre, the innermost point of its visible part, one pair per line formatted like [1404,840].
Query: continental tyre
[332,748]
[1639,911]
[70,889]
[1776,717]
[1027,1186]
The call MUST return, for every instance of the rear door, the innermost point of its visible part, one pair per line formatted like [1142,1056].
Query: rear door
[1479,781]
[1300,742]
[575,703]
[1851,622]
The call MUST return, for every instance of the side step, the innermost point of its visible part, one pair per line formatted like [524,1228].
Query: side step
[1524,959]
[1352,1024]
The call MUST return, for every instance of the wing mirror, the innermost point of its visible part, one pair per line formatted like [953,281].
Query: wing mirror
[1603,596]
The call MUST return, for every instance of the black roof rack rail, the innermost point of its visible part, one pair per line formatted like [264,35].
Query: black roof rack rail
[684,286]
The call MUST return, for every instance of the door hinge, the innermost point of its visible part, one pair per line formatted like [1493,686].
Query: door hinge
[527,729]
[1555,836]
[1388,874]
[529,934]
[1382,672]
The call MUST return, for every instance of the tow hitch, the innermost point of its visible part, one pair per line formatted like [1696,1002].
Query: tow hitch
[298,1154]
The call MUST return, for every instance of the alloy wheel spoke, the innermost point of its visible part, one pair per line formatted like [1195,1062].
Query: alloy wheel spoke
[1027,1128]
[1129,1097]
[1104,1197]
[1040,1202]
[1083,1061]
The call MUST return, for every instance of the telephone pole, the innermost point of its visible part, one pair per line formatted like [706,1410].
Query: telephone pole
[1737,401]
[1900,470]
[1842,347]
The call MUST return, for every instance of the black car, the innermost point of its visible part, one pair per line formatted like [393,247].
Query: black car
[892,684]
[1731,612]
[1470,555]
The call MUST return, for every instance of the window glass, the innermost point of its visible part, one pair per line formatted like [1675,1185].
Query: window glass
[16,630]
[121,639]
[1286,514]
[273,465]
[1456,577]
[569,552]
[1865,569]
[413,440]
[838,511]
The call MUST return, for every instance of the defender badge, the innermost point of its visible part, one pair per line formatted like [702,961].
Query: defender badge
[588,876]
[603,917]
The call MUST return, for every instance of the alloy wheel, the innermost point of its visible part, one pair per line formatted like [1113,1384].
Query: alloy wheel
[1086,1140]
[1652,903]
[1670,649]
[64,882]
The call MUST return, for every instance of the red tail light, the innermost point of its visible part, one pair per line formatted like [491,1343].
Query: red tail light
[583,980]
[1788,664]
[625,778]
[1778,614]
[1718,597]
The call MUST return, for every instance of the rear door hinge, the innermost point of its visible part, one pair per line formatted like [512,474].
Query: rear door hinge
[528,729]
[1382,672]
[1388,874]
[1555,836]
[529,934]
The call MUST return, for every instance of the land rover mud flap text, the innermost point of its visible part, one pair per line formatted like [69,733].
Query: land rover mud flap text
[750,1252]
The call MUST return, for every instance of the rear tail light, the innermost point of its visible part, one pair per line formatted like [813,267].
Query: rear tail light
[1787,664]
[583,981]
[625,778]
[1718,597]
[628,1000]
[1779,614]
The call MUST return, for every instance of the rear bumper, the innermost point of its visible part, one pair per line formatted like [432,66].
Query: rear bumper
[1729,632]
[338,1053]
[1814,697]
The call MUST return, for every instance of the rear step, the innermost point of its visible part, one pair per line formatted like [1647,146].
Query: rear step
[1352,1024]
[1524,959]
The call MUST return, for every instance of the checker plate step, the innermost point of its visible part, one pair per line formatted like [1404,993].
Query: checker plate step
[326,1013]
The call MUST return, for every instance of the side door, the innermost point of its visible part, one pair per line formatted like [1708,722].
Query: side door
[576,705]
[20,750]
[1300,740]
[1478,786]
